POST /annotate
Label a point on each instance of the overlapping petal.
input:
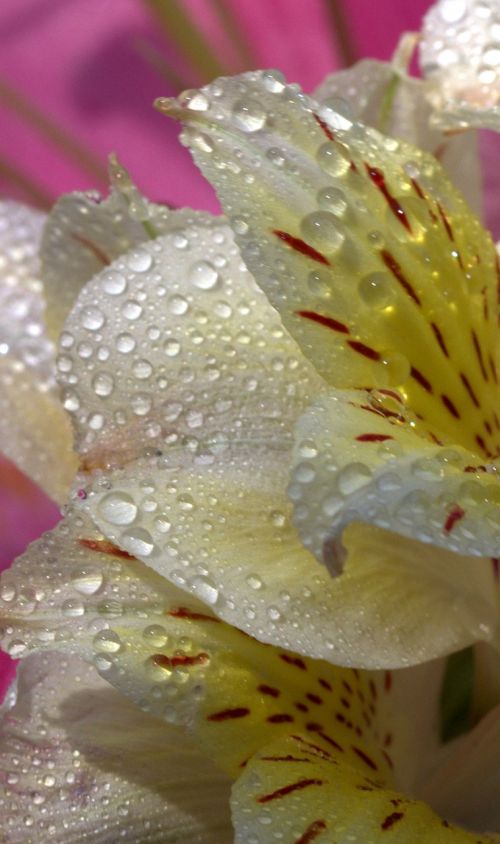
(383, 95)
(34, 429)
(368, 464)
(85, 233)
(79, 762)
(377, 266)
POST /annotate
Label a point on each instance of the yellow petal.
(377, 266)
(309, 793)
(221, 530)
(372, 463)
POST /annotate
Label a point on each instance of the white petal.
(85, 233)
(175, 346)
(81, 763)
(461, 58)
(34, 430)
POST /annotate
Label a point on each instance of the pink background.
(81, 64)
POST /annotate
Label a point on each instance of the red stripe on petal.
(301, 246)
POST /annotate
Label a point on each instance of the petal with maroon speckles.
(399, 260)
(438, 493)
(330, 799)
(382, 95)
(231, 517)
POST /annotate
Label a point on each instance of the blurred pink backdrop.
(91, 67)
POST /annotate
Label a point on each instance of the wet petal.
(34, 430)
(382, 95)
(370, 465)
(79, 762)
(378, 268)
(311, 793)
(221, 530)
(461, 58)
(175, 346)
(85, 233)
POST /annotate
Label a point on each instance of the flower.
(267, 485)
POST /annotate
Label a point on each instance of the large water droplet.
(249, 115)
(118, 508)
(203, 275)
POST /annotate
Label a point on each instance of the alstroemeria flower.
(316, 753)
(388, 283)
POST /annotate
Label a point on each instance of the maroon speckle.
(97, 252)
(294, 660)
(439, 337)
(365, 758)
(184, 612)
(229, 714)
(280, 718)
(465, 381)
(173, 661)
(378, 180)
(268, 690)
(421, 379)
(373, 438)
(314, 698)
(301, 707)
(324, 127)
(82, 494)
(312, 832)
(325, 684)
(391, 820)
(364, 350)
(450, 407)
(301, 246)
(479, 355)
(453, 517)
(105, 547)
(288, 789)
(387, 681)
(446, 222)
(392, 265)
(327, 322)
(418, 190)
(495, 561)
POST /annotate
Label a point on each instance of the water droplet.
(92, 319)
(113, 282)
(118, 508)
(332, 159)
(73, 608)
(193, 100)
(107, 641)
(138, 542)
(249, 115)
(125, 343)
(376, 290)
(103, 384)
(206, 589)
(87, 581)
(321, 229)
(352, 477)
(332, 199)
(139, 261)
(203, 275)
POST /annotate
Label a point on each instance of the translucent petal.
(68, 585)
(382, 95)
(461, 57)
(34, 430)
(220, 529)
(378, 268)
(465, 782)
(310, 793)
(80, 763)
(85, 233)
(175, 346)
(370, 465)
